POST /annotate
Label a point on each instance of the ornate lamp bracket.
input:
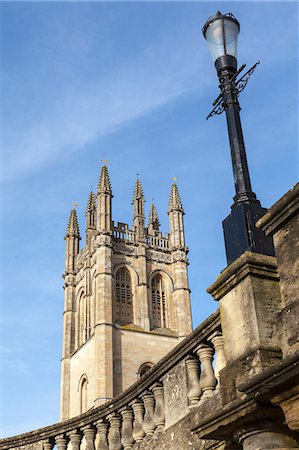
(239, 85)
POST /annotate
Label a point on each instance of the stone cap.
(281, 212)
(254, 264)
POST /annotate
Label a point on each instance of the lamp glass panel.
(214, 37)
(231, 32)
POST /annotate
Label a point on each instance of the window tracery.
(158, 302)
(123, 311)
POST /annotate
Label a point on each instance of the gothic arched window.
(158, 302)
(83, 395)
(84, 319)
(123, 311)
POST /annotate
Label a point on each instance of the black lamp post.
(221, 32)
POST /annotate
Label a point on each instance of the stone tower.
(127, 299)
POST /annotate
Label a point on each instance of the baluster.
(114, 432)
(159, 414)
(75, 438)
(194, 390)
(48, 444)
(217, 341)
(138, 431)
(207, 379)
(89, 434)
(148, 422)
(102, 427)
(61, 442)
(127, 439)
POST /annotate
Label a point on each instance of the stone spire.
(174, 200)
(104, 197)
(153, 222)
(104, 184)
(138, 204)
(138, 191)
(91, 203)
(176, 220)
(73, 227)
(72, 237)
(90, 217)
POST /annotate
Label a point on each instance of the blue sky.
(131, 82)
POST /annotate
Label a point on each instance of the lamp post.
(240, 234)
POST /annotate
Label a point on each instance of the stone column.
(264, 436)
(217, 341)
(159, 414)
(114, 432)
(127, 439)
(138, 431)
(103, 321)
(102, 427)
(148, 422)
(194, 390)
(181, 293)
(48, 445)
(207, 380)
(89, 434)
(75, 439)
(141, 305)
(61, 442)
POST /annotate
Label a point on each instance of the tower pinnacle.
(91, 203)
(104, 196)
(138, 191)
(138, 203)
(175, 203)
(153, 222)
(104, 181)
(73, 227)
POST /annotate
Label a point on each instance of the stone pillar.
(159, 414)
(138, 431)
(141, 305)
(194, 390)
(89, 434)
(181, 293)
(217, 341)
(207, 380)
(127, 439)
(148, 421)
(103, 321)
(102, 427)
(48, 444)
(249, 296)
(75, 439)
(264, 436)
(114, 432)
(282, 222)
(61, 442)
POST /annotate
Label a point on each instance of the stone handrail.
(144, 409)
(122, 232)
(159, 242)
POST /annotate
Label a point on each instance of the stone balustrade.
(158, 242)
(146, 409)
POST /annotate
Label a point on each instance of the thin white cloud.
(87, 112)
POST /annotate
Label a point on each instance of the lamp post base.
(241, 234)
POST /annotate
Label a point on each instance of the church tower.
(127, 299)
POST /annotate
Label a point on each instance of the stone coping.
(155, 374)
(281, 212)
(273, 379)
(249, 263)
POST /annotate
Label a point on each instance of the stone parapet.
(140, 414)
